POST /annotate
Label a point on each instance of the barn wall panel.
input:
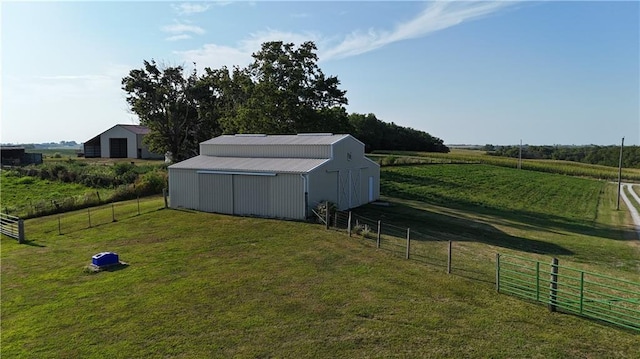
(215, 193)
(287, 196)
(251, 195)
(183, 188)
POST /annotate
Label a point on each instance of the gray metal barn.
(120, 141)
(277, 176)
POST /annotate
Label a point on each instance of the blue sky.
(468, 72)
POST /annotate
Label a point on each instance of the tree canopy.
(283, 91)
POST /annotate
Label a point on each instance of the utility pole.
(520, 156)
(619, 174)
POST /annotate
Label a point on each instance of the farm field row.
(549, 166)
(207, 285)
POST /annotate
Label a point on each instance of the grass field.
(206, 285)
(549, 166)
(19, 194)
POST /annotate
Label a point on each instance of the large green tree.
(288, 93)
(177, 108)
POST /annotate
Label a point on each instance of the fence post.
(113, 212)
(349, 224)
(553, 285)
(89, 213)
(336, 220)
(498, 272)
(581, 291)
(537, 281)
(449, 259)
(326, 214)
(408, 243)
(138, 199)
(59, 226)
(164, 194)
(378, 240)
(20, 231)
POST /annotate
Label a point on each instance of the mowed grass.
(512, 210)
(207, 285)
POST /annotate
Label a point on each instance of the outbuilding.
(120, 141)
(275, 176)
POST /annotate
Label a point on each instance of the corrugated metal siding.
(274, 151)
(287, 196)
(250, 164)
(252, 195)
(183, 189)
(216, 193)
(322, 187)
(300, 139)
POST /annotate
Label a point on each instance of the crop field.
(208, 285)
(480, 157)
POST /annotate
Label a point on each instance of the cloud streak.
(436, 16)
(187, 8)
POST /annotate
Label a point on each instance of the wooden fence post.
(408, 243)
(449, 259)
(138, 200)
(113, 212)
(20, 231)
(498, 272)
(326, 214)
(378, 240)
(553, 285)
(164, 194)
(89, 214)
(349, 224)
(59, 226)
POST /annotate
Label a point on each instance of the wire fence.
(70, 222)
(402, 242)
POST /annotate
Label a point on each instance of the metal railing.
(592, 295)
(12, 226)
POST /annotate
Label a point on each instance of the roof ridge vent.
(250, 135)
(316, 134)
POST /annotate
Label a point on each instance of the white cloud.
(438, 15)
(216, 56)
(178, 37)
(180, 28)
(187, 8)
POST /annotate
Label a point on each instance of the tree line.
(283, 91)
(597, 155)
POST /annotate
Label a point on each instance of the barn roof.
(245, 164)
(257, 139)
(137, 129)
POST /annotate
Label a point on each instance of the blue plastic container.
(105, 259)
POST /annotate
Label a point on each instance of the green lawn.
(207, 285)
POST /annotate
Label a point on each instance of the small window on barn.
(348, 156)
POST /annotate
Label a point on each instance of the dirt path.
(634, 211)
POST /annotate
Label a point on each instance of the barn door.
(118, 147)
(343, 190)
(354, 200)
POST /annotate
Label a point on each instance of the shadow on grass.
(428, 225)
(32, 243)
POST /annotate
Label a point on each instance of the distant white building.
(120, 141)
(280, 176)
